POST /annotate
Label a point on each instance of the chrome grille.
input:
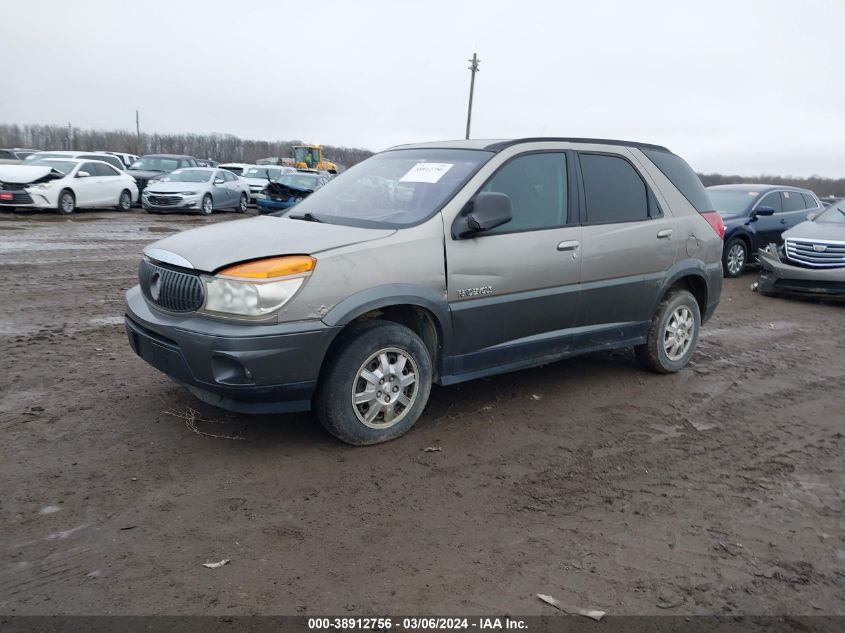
(816, 253)
(171, 289)
(164, 201)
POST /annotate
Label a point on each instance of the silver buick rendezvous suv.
(434, 263)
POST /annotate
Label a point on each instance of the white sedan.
(65, 185)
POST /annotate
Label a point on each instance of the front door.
(513, 290)
(767, 228)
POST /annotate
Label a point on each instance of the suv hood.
(822, 231)
(23, 174)
(212, 247)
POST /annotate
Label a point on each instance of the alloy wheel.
(385, 388)
(679, 333)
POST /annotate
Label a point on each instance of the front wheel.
(207, 207)
(673, 334)
(124, 203)
(734, 257)
(243, 203)
(67, 202)
(376, 385)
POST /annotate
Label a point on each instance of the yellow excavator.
(311, 157)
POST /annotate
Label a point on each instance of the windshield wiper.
(308, 217)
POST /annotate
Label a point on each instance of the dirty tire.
(207, 207)
(653, 355)
(341, 377)
(734, 257)
(243, 203)
(124, 203)
(67, 202)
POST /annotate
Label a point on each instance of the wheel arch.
(420, 309)
(692, 276)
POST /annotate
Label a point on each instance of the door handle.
(783, 221)
(569, 245)
(663, 234)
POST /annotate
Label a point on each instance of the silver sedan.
(197, 189)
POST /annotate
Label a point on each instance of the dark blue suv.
(755, 216)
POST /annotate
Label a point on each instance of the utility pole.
(138, 132)
(474, 68)
(69, 136)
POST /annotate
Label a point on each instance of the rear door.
(112, 183)
(630, 239)
(513, 290)
(794, 212)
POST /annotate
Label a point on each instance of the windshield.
(33, 157)
(155, 163)
(63, 166)
(188, 175)
(732, 201)
(308, 155)
(395, 189)
(300, 181)
(834, 214)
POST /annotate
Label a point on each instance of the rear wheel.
(734, 257)
(376, 385)
(67, 202)
(207, 207)
(124, 203)
(243, 203)
(673, 334)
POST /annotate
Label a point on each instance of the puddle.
(109, 320)
(163, 229)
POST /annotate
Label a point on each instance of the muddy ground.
(716, 490)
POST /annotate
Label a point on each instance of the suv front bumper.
(236, 366)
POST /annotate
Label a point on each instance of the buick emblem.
(155, 286)
(819, 248)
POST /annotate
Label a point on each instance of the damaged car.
(257, 177)
(286, 191)
(65, 185)
(811, 260)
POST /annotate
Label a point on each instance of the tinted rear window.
(682, 176)
(613, 190)
(809, 201)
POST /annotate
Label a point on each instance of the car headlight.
(257, 288)
(41, 185)
(187, 193)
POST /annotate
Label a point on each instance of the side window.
(89, 168)
(537, 187)
(792, 201)
(809, 201)
(105, 170)
(614, 190)
(772, 200)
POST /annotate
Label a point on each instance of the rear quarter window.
(682, 176)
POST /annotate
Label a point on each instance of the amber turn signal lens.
(271, 267)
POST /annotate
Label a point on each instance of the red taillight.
(715, 220)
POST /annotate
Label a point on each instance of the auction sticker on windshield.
(426, 172)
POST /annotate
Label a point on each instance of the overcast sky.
(740, 86)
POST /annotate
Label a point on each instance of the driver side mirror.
(82, 174)
(218, 181)
(485, 211)
(812, 215)
(761, 211)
